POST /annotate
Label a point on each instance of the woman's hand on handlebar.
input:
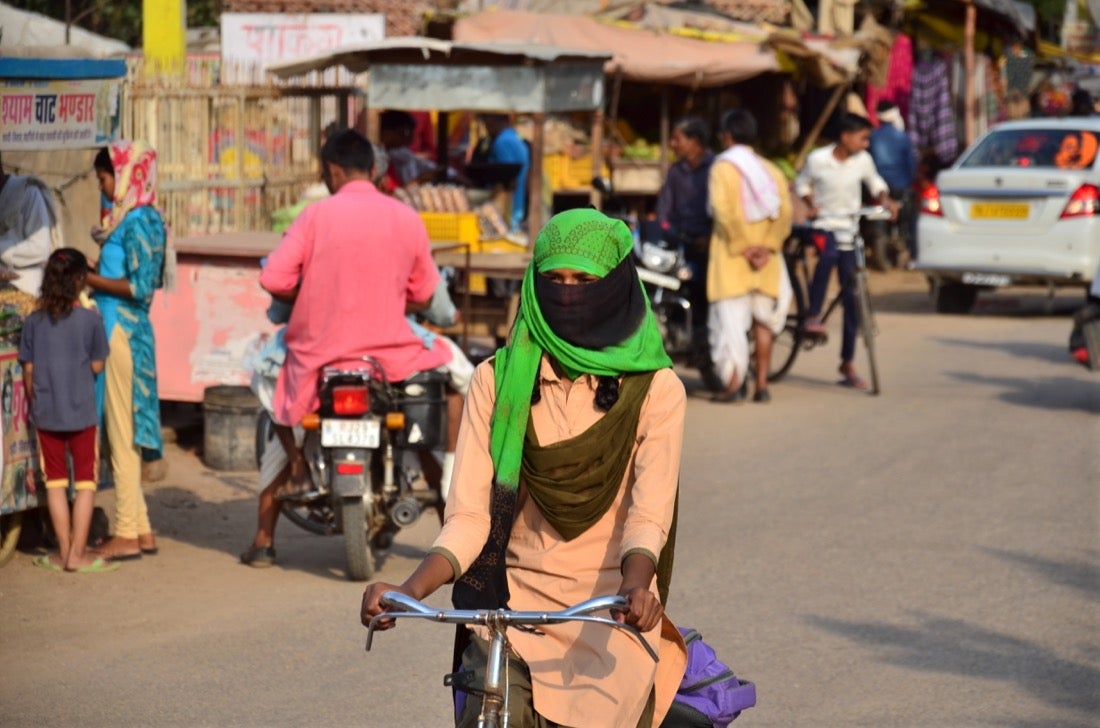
(434, 571)
(643, 609)
(372, 605)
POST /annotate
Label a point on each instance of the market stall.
(54, 110)
(669, 61)
(423, 73)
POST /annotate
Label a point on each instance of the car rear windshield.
(1047, 148)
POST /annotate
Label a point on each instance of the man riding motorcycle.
(352, 265)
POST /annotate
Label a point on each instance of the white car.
(1019, 207)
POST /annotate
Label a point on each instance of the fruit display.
(640, 149)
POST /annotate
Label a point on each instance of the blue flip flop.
(43, 562)
(99, 566)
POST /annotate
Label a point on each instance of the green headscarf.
(584, 240)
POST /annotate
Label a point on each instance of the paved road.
(929, 557)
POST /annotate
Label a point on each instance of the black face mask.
(594, 315)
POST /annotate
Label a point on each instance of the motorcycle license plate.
(351, 433)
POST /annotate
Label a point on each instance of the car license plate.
(351, 433)
(1000, 211)
(986, 279)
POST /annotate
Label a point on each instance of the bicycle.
(888, 240)
(794, 338)
(494, 705)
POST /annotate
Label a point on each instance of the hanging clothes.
(982, 90)
(931, 113)
(836, 17)
(899, 79)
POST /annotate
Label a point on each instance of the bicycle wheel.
(788, 342)
(867, 327)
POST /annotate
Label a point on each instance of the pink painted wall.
(209, 325)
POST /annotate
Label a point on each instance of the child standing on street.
(62, 348)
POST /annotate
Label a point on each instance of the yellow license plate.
(999, 211)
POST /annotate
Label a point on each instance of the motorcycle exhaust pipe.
(405, 511)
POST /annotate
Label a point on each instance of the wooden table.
(486, 315)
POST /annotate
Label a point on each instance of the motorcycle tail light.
(1084, 202)
(350, 400)
(349, 468)
(930, 201)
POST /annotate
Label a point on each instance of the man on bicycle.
(831, 184)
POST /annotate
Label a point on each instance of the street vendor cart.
(49, 106)
(424, 73)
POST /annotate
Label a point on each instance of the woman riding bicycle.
(565, 487)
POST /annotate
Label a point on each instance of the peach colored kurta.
(577, 672)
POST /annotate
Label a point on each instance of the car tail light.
(1084, 202)
(930, 201)
(350, 400)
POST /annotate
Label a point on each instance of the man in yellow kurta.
(565, 487)
(747, 281)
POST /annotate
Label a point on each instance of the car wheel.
(954, 298)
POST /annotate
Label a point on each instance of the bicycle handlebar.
(873, 212)
(398, 605)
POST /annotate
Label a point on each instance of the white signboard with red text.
(252, 41)
(58, 114)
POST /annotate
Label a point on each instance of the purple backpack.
(709, 685)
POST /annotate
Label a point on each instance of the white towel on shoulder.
(759, 193)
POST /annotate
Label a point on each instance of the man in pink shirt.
(353, 265)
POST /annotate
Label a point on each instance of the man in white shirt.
(831, 184)
(27, 226)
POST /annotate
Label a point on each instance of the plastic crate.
(567, 173)
(452, 227)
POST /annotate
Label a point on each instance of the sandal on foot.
(854, 381)
(43, 562)
(736, 395)
(151, 550)
(259, 556)
(296, 487)
(119, 557)
(813, 328)
(119, 549)
(99, 566)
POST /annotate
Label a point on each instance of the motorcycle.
(663, 268)
(669, 280)
(358, 447)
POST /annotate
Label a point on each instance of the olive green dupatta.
(574, 482)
